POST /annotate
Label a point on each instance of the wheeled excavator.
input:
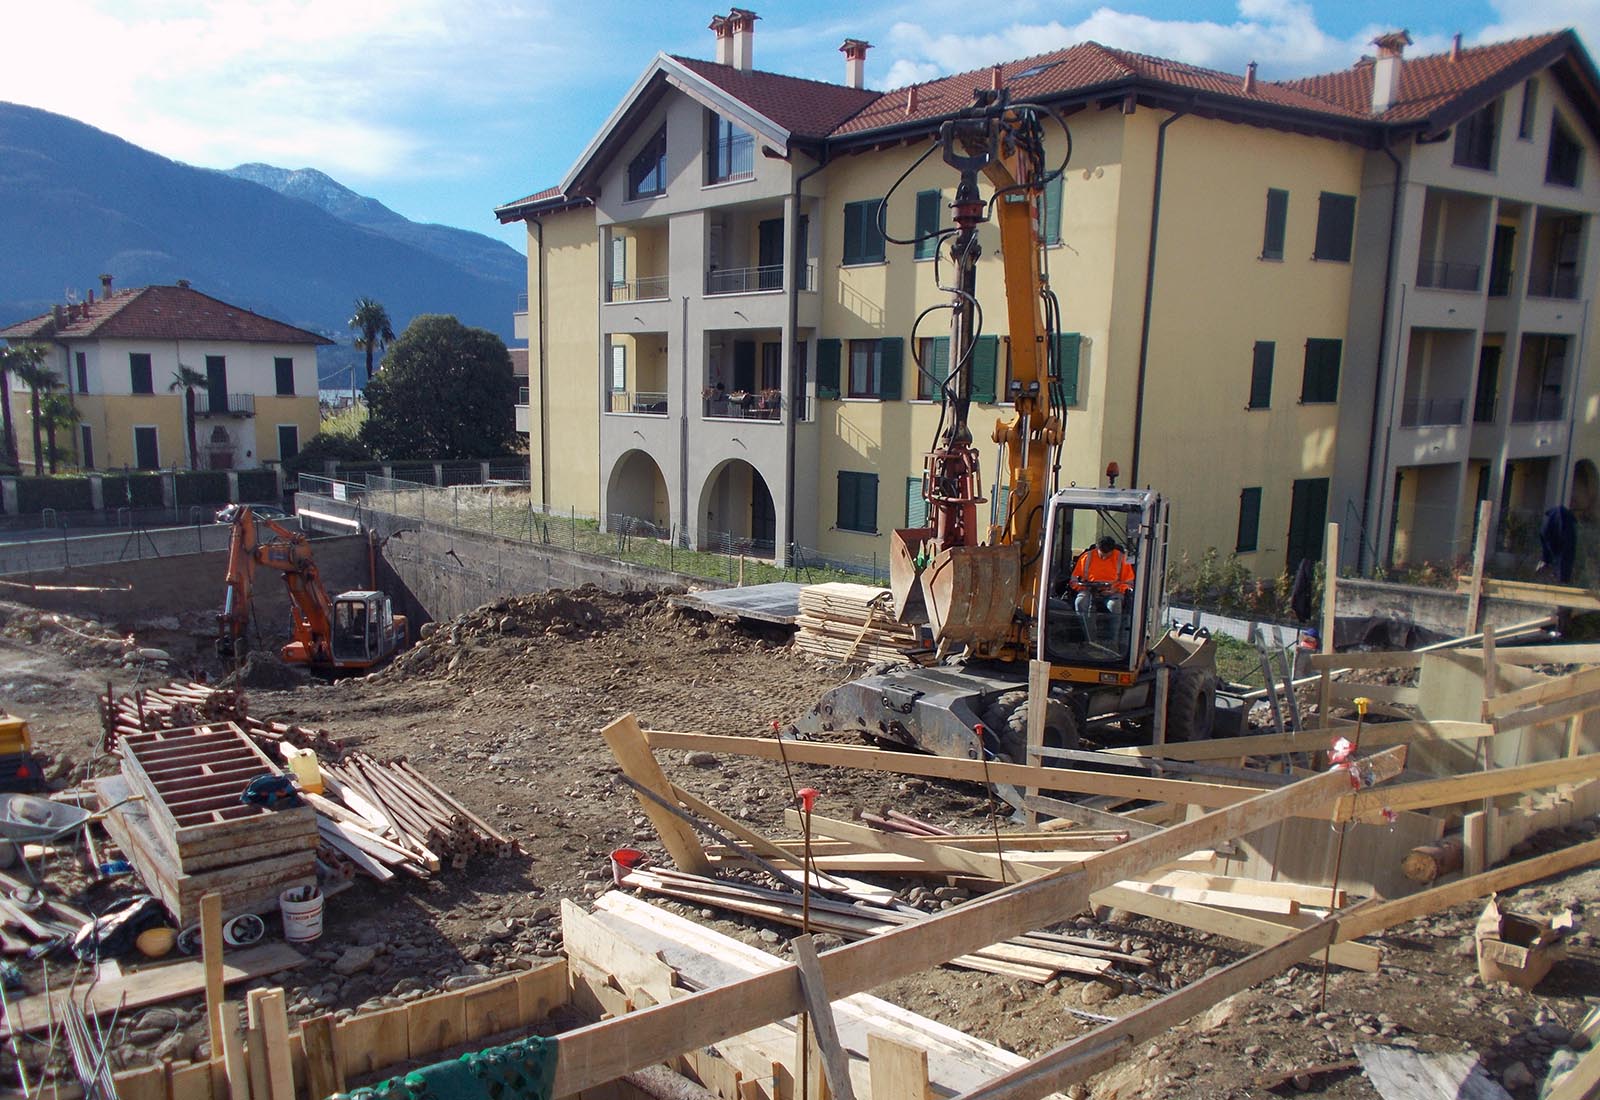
(351, 632)
(1017, 590)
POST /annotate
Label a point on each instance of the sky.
(444, 109)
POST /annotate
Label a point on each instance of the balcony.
(755, 280)
(233, 404)
(1446, 275)
(519, 318)
(1541, 407)
(1557, 283)
(740, 405)
(638, 402)
(522, 395)
(1420, 412)
(730, 158)
(647, 288)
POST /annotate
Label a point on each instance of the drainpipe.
(786, 402)
(544, 374)
(1149, 295)
(683, 426)
(1362, 564)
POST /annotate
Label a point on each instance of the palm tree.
(188, 380)
(371, 322)
(28, 364)
(7, 357)
(59, 413)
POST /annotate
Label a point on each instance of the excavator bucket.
(971, 592)
(906, 547)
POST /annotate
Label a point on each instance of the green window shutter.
(1320, 383)
(1277, 219)
(1261, 375)
(891, 352)
(1069, 349)
(873, 245)
(985, 357)
(863, 244)
(852, 232)
(868, 506)
(846, 519)
(916, 504)
(828, 353)
(858, 501)
(928, 204)
(1050, 212)
(1249, 520)
(1336, 223)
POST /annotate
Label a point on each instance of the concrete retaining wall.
(1433, 609)
(121, 546)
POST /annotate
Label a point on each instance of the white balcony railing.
(641, 402)
(649, 288)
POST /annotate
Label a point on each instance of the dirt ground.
(503, 708)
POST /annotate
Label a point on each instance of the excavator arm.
(288, 552)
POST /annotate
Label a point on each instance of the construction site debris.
(1519, 948)
(853, 623)
(266, 671)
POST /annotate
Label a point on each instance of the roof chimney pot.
(995, 78)
(105, 286)
(743, 23)
(1455, 47)
(1387, 69)
(855, 61)
(911, 101)
(1250, 78)
(724, 32)
(183, 284)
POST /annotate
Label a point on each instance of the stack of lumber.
(189, 834)
(177, 705)
(852, 622)
(390, 817)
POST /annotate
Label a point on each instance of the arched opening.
(638, 492)
(737, 511)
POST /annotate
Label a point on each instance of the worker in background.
(1102, 578)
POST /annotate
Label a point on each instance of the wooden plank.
(1317, 896)
(434, 1023)
(814, 988)
(1582, 1083)
(627, 743)
(1550, 595)
(1557, 688)
(585, 939)
(899, 1070)
(983, 864)
(1577, 653)
(1088, 815)
(1480, 555)
(1393, 694)
(491, 1008)
(211, 960)
(541, 991)
(1330, 613)
(1474, 843)
(1038, 713)
(236, 1068)
(1398, 1072)
(1369, 805)
(1373, 735)
(147, 1083)
(1218, 899)
(256, 1058)
(189, 1082)
(373, 1041)
(1235, 926)
(592, 1055)
(268, 1013)
(323, 1072)
(1553, 711)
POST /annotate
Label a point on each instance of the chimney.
(1250, 78)
(744, 34)
(90, 302)
(995, 78)
(1455, 47)
(1386, 70)
(58, 315)
(855, 61)
(183, 284)
(724, 31)
(105, 286)
(911, 100)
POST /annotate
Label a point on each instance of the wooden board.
(1398, 1073)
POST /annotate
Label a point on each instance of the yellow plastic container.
(14, 736)
(303, 766)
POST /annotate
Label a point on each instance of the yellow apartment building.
(117, 357)
(1358, 297)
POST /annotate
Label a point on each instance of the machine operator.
(1102, 578)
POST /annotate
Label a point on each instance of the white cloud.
(1525, 17)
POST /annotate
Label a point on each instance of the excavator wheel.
(1191, 705)
(1008, 718)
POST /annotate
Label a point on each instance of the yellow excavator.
(1070, 576)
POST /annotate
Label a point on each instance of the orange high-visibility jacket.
(1096, 568)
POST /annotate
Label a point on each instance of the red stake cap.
(807, 797)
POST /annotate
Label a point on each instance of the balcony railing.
(744, 406)
(234, 404)
(642, 402)
(649, 288)
(1553, 284)
(750, 280)
(1546, 406)
(522, 304)
(1418, 412)
(1447, 275)
(731, 159)
(522, 395)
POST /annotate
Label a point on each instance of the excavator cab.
(365, 629)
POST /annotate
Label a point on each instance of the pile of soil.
(263, 670)
(85, 641)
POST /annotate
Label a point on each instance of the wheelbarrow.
(25, 819)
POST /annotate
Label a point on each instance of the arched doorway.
(638, 492)
(737, 511)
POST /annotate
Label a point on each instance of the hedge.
(201, 487)
(132, 491)
(64, 494)
(258, 486)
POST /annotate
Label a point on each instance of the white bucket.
(302, 920)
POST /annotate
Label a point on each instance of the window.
(619, 260)
(1277, 220)
(828, 356)
(288, 441)
(619, 368)
(1320, 384)
(863, 242)
(1069, 352)
(1475, 139)
(981, 367)
(858, 502)
(875, 368)
(647, 172)
(1530, 107)
(1249, 520)
(81, 359)
(1486, 398)
(146, 448)
(1336, 225)
(283, 367)
(929, 207)
(1050, 212)
(1261, 375)
(730, 151)
(87, 447)
(916, 503)
(139, 368)
(934, 352)
(1308, 521)
(1562, 164)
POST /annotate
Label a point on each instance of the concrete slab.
(778, 602)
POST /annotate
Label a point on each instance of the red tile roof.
(806, 108)
(161, 313)
(1427, 84)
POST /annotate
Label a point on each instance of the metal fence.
(67, 551)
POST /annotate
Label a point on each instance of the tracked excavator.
(351, 632)
(1073, 577)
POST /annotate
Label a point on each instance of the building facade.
(117, 360)
(1276, 297)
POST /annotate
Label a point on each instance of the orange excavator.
(351, 632)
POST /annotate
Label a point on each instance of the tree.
(324, 447)
(7, 358)
(371, 322)
(446, 392)
(59, 414)
(28, 364)
(188, 380)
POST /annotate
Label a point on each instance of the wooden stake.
(268, 1016)
(235, 1065)
(324, 1075)
(1480, 554)
(1038, 711)
(899, 1071)
(1330, 608)
(628, 745)
(211, 956)
(835, 1064)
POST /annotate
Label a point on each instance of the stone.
(1516, 1076)
(143, 1036)
(163, 1019)
(1097, 993)
(355, 959)
(769, 936)
(464, 981)
(702, 760)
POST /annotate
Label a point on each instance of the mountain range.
(291, 244)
